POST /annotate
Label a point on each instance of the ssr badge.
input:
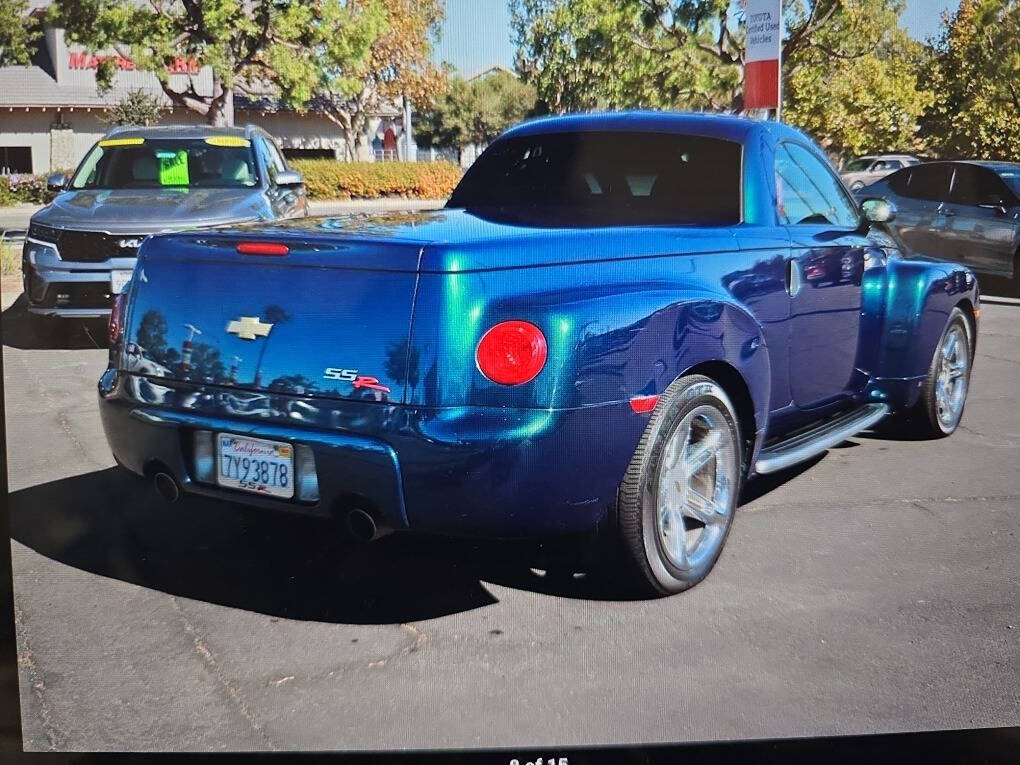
(359, 382)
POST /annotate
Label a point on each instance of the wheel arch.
(970, 314)
(739, 393)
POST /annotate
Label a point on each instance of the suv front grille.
(86, 246)
(93, 246)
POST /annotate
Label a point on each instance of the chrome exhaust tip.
(166, 486)
(363, 526)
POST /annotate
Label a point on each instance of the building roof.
(489, 70)
(178, 131)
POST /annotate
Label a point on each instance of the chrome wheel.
(952, 377)
(696, 484)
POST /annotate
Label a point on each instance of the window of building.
(15, 159)
(309, 154)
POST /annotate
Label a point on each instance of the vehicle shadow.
(25, 331)
(997, 286)
(112, 523)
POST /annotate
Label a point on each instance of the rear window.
(606, 179)
(145, 163)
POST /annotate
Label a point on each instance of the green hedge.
(324, 179)
(330, 179)
(22, 187)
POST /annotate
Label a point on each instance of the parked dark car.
(966, 212)
(615, 321)
(80, 249)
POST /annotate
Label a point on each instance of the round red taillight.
(511, 353)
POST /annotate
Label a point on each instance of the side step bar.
(818, 439)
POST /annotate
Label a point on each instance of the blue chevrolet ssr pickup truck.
(613, 323)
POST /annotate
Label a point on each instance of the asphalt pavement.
(873, 589)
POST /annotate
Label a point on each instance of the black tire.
(642, 547)
(925, 413)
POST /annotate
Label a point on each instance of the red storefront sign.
(179, 65)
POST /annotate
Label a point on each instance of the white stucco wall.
(32, 129)
(293, 131)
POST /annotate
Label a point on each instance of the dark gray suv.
(967, 212)
(80, 249)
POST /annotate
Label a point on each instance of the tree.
(138, 107)
(975, 69)
(260, 47)
(868, 97)
(275, 315)
(449, 121)
(475, 112)
(501, 101)
(18, 33)
(689, 54)
(398, 65)
(152, 333)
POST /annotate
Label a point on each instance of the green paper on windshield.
(173, 168)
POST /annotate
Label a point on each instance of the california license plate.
(255, 465)
(118, 280)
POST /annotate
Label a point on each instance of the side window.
(930, 181)
(275, 163)
(899, 182)
(808, 191)
(893, 164)
(964, 189)
(973, 185)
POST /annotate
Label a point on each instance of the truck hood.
(144, 211)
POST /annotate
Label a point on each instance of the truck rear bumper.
(465, 472)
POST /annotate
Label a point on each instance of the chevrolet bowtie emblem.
(247, 327)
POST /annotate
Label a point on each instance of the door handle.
(793, 277)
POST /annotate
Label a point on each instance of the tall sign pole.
(763, 88)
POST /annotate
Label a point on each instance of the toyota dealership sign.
(763, 54)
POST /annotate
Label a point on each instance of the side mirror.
(878, 210)
(289, 178)
(56, 181)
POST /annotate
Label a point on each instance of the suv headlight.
(35, 250)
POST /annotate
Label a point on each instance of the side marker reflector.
(643, 404)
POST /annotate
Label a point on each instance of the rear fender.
(607, 341)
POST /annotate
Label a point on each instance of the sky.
(476, 33)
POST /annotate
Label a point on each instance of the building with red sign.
(51, 112)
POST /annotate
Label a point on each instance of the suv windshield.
(857, 165)
(146, 163)
(605, 179)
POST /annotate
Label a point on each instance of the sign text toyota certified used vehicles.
(80, 249)
(616, 320)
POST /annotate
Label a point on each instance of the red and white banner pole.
(187, 346)
(763, 82)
